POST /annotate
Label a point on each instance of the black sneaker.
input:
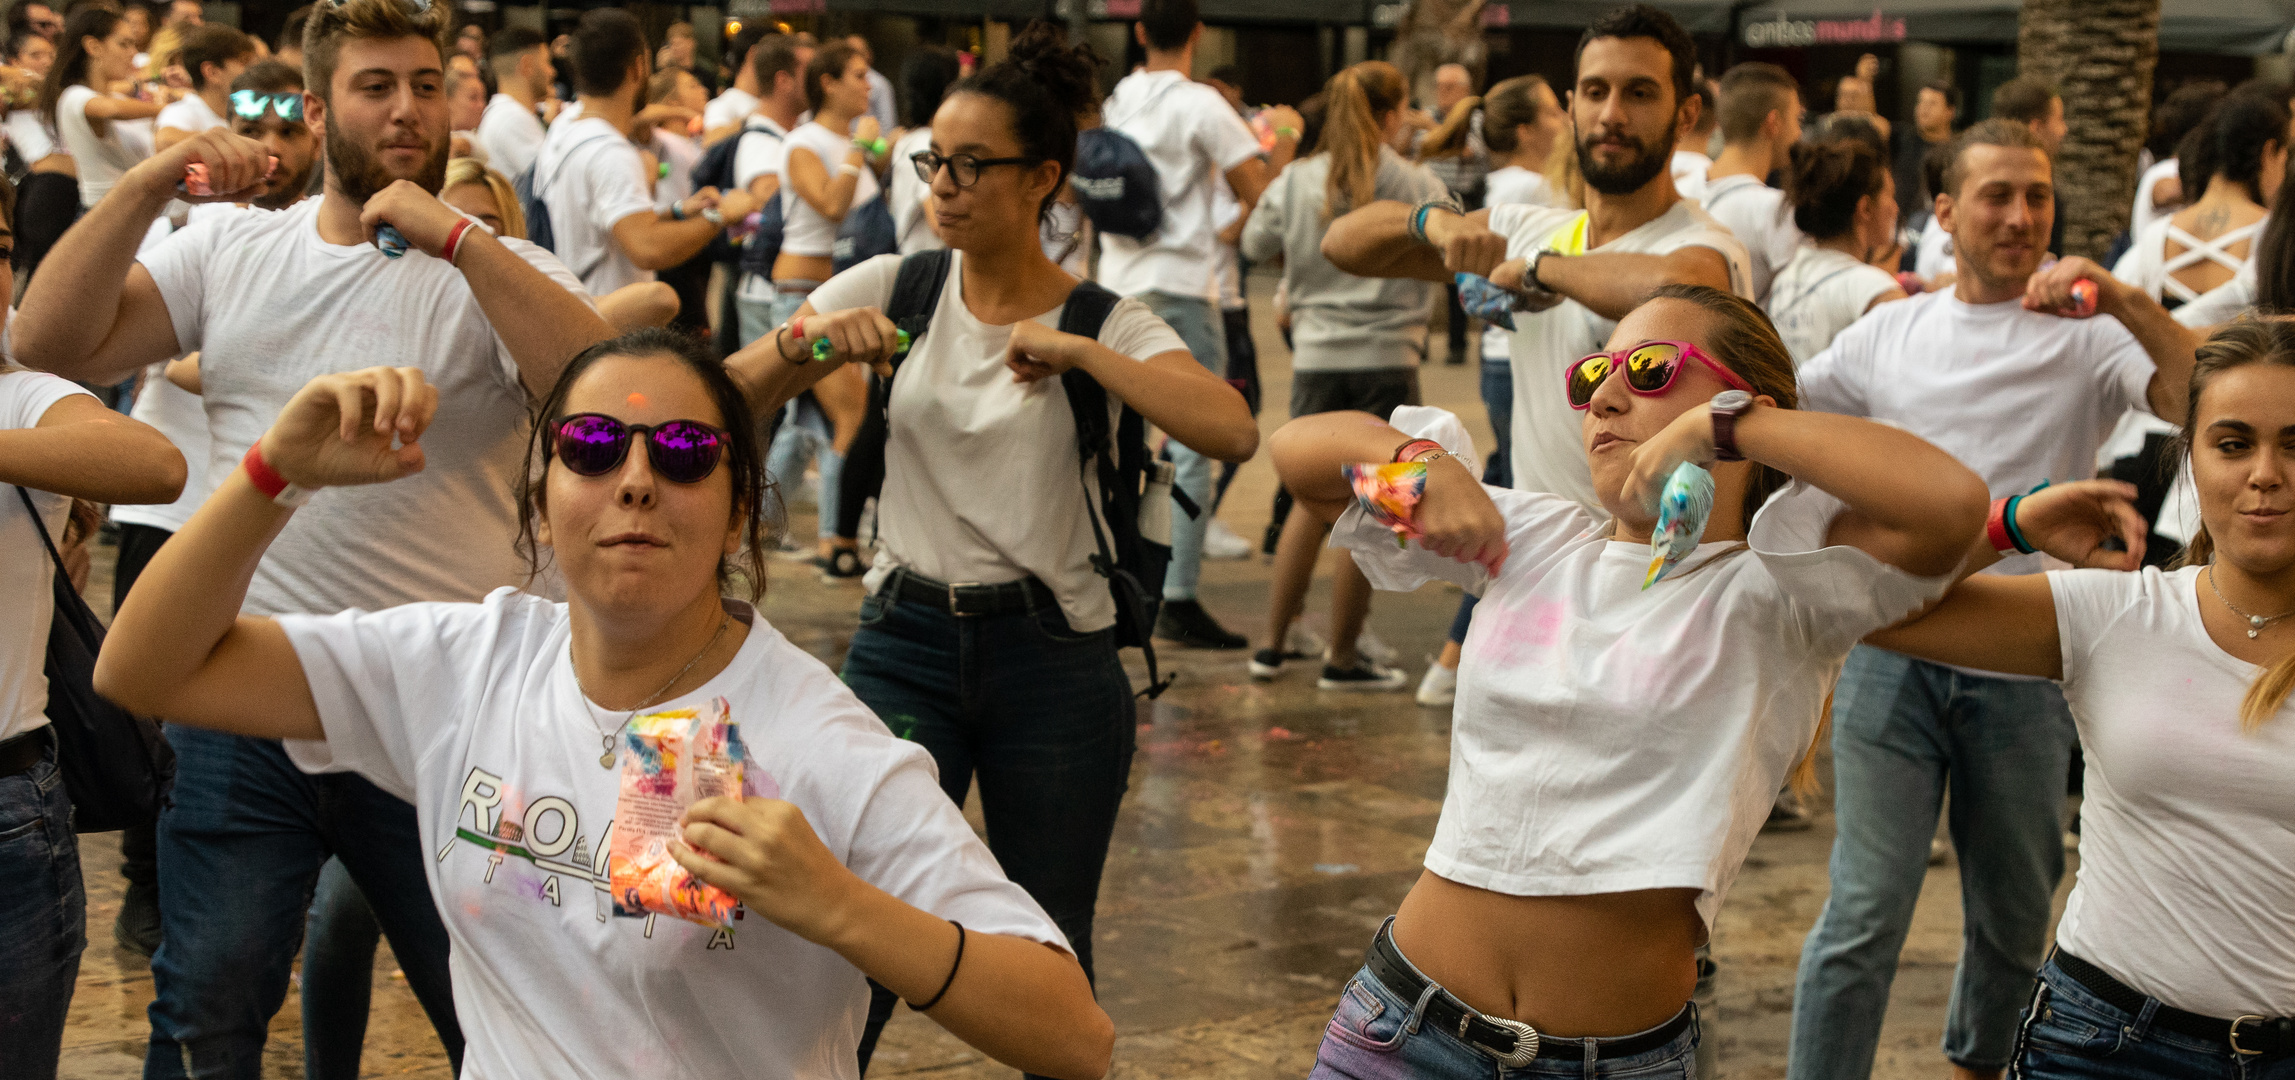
(1788, 814)
(1365, 675)
(842, 564)
(137, 928)
(1266, 665)
(1186, 622)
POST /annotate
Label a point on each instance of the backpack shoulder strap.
(1088, 307)
(54, 556)
(915, 293)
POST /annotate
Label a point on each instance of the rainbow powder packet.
(671, 760)
(1682, 510)
(1389, 493)
(195, 178)
(822, 350)
(1486, 300)
(392, 242)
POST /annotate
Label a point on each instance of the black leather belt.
(19, 754)
(1512, 1042)
(2248, 1036)
(970, 598)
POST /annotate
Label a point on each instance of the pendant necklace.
(2255, 623)
(606, 738)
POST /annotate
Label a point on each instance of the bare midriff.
(1571, 966)
(789, 267)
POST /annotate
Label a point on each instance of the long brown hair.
(1507, 107)
(1361, 97)
(1450, 138)
(2248, 342)
(70, 68)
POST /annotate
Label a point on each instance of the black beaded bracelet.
(951, 980)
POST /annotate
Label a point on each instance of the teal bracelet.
(2008, 518)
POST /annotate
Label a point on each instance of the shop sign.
(1784, 33)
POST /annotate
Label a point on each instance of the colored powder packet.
(195, 178)
(1486, 300)
(392, 242)
(671, 760)
(1683, 508)
(1389, 493)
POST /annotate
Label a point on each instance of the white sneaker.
(1369, 647)
(1221, 543)
(1439, 688)
(1304, 644)
(1365, 675)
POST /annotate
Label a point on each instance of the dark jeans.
(338, 977)
(239, 853)
(1041, 714)
(863, 477)
(2071, 1034)
(139, 845)
(1243, 374)
(43, 918)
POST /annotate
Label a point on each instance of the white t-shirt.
(1688, 163)
(755, 157)
(190, 115)
(2223, 303)
(1608, 738)
(27, 577)
(727, 108)
(1548, 454)
(100, 160)
(906, 195)
(591, 176)
(982, 478)
(1512, 184)
(1818, 294)
(270, 306)
(30, 135)
(1933, 254)
(1189, 133)
(680, 154)
(2018, 396)
(1225, 210)
(471, 712)
(178, 414)
(2147, 265)
(1756, 214)
(2187, 855)
(804, 230)
(511, 134)
(2144, 212)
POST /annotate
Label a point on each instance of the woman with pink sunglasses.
(1617, 746)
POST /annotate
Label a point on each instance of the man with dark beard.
(272, 299)
(1578, 270)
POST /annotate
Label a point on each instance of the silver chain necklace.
(606, 738)
(2255, 623)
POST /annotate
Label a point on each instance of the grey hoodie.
(1340, 322)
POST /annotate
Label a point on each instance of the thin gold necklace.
(606, 738)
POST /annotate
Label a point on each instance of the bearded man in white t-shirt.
(2023, 397)
(1632, 99)
(272, 299)
(1760, 121)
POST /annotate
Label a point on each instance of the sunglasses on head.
(1650, 368)
(682, 451)
(252, 104)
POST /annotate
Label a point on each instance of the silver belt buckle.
(1525, 1039)
(953, 607)
(2235, 1047)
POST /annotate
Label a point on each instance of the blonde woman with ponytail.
(1356, 342)
(2176, 953)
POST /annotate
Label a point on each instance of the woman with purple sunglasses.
(1615, 745)
(498, 720)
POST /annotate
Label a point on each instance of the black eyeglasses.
(252, 104)
(683, 451)
(963, 168)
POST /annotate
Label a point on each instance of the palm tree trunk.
(2100, 55)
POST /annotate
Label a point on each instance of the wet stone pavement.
(1267, 831)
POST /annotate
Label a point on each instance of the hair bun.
(1069, 72)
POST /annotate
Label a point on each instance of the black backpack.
(1130, 477)
(528, 188)
(715, 169)
(1116, 185)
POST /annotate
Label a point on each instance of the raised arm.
(86, 451)
(104, 107)
(1170, 389)
(833, 195)
(655, 242)
(1375, 241)
(1455, 516)
(1614, 283)
(542, 322)
(179, 647)
(95, 315)
(2173, 347)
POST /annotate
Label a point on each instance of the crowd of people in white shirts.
(444, 453)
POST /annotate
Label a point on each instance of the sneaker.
(1304, 644)
(1440, 686)
(1220, 543)
(1369, 647)
(1788, 814)
(842, 564)
(794, 550)
(1266, 664)
(1365, 675)
(137, 928)
(1186, 622)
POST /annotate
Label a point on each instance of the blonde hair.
(1354, 128)
(2266, 339)
(166, 42)
(464, 170)
(363, 20)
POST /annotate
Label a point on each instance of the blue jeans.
(43, 917)
(804, 432)
(1199, 324)
(1376, 1035)
(1041, 714)
(1905, 732)
(240, 848)
(338, 978)
(2070, 1034)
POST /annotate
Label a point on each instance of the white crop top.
(1609, 739)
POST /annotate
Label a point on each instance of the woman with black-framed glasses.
(499, 719)
(988, 638)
